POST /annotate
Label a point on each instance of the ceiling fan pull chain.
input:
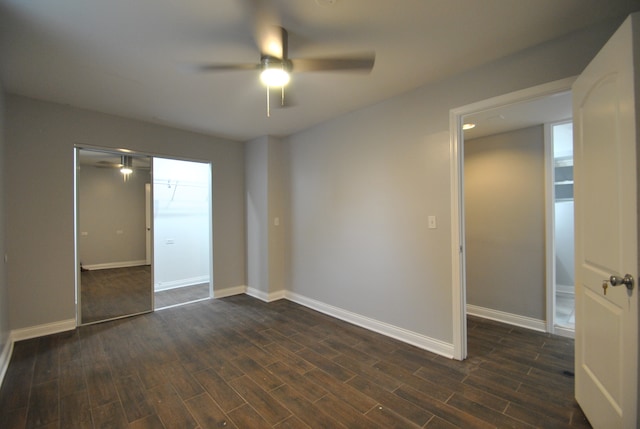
(268, 107)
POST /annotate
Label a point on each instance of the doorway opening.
(561, 313)
(182, 232)
(143, 233)
(458, 117)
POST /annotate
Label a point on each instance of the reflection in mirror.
(113, 246)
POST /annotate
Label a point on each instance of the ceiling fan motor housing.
(269, 62)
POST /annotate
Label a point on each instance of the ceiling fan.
(275, 65)
(126, 164)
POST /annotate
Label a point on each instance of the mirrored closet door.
(113, 234)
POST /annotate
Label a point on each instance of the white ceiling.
(110, 159)
(137, 58)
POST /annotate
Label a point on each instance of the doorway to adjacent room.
(182, 232)
(544, 318)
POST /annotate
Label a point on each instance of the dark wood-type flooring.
(181, 295)
(116, 292)
(240, 363)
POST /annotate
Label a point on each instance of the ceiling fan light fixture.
(127, 165)
(275, 76)
(275, 72)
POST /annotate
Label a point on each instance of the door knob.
(627, 280)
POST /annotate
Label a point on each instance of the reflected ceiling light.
(468, 126)
(127, 165)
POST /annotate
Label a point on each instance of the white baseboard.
(508, 318)
(5, 357)
(231, 291)
(266, 297)
(401, 334)
(110, 265)
(42, 330)
(422, 341)
(564, 332)
(256, 293)
(174, 284)
(566, 290)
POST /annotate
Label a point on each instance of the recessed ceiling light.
(468, 126)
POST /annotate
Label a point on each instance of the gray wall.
(265, 181)
(4, 287)
(257, 182)
(504, 222)
(277, 210)
(40, 235)
(107, 204)
(359, 189)
(362, 186)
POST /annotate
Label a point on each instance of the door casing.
(456, 117)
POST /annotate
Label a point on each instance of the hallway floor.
(565, 311)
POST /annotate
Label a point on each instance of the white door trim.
(550, 221)
(456, 117)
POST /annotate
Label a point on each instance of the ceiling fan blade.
(223, 67)
(107, 164)
(359, 63)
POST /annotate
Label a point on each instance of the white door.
(606, 233)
